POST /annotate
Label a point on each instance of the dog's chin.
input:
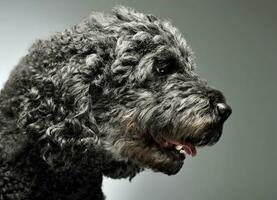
(173, 164)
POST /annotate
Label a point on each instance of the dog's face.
(159, 109)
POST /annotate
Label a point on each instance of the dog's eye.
(166, 69)
(169, 67)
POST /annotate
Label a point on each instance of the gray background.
(236, 48)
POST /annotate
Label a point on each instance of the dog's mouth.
(179, 149)
(183, 148)
(166, 152)
(176, 149)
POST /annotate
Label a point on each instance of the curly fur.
(97, 99)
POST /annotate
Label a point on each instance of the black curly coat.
(105, 97)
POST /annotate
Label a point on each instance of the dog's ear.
(65, 142)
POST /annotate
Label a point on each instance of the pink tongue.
(190, 149)
(187, 147)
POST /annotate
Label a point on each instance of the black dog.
(110, 96)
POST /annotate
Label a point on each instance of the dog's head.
(126, 91)
(154, 108)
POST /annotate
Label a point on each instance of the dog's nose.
(224, 111)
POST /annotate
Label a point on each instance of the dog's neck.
(38, 181)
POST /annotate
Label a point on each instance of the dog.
(110, 96)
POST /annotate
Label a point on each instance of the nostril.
(224, 110)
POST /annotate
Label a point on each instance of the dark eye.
(167, 68)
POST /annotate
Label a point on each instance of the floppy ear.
(63, 142)
(67, 144)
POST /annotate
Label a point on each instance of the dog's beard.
(163, 147)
